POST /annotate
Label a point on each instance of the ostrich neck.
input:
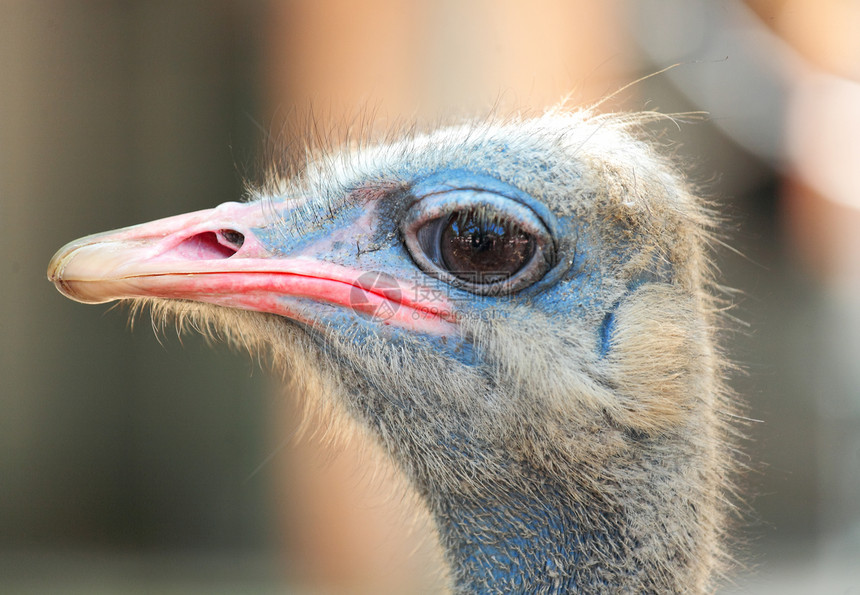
(642, 521)
(520, 544)
(542, 540)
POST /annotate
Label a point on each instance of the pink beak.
(215, 256)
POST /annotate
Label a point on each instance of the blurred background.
(136, 464)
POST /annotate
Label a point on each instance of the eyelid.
(444, 204)
(464, 181)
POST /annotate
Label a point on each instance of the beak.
(219, 256)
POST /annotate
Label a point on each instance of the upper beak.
(217, 256)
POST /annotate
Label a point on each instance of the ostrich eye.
(479, 251)
(480, 241)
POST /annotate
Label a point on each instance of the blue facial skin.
(567, 287)
(570, 289)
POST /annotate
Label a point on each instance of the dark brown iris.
(483, 251)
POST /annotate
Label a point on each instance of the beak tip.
(55, 267)
(71, 288)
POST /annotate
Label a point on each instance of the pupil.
(483, 251)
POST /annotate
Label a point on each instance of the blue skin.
(551, 294)
(544, 539)
(568, 288)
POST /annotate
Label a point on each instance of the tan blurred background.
(131, 465)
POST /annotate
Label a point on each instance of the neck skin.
(546, 542)
(521, 545)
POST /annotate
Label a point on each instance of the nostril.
(208, 246)
(234, 238)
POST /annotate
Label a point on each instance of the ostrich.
(521, 312)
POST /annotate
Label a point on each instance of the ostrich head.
(520, 312)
